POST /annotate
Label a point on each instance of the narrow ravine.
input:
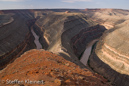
(87, 52)
(36, 41)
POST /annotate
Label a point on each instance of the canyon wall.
(116, 78)
(40, 33)
(73, 25)
(15, 38)
(85, 36)
(108, 17)
(111, 56)
(59, 31)
(5, 19)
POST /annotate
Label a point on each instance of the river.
(36, 41)
(87, 52)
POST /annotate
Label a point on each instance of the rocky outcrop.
(111, 56)
(49, 69)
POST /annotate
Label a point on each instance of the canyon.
(87, 52)
(36, 41)
(14, 40)
(111, 58)
(93, 40)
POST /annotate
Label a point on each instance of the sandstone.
(68, 80)
(58, 82)
(110, 58)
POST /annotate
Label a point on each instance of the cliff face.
(5, 19)
(15, 38)
(40, 65)
(85, 36)
(111, 56)
(57, 31)
(72, 26)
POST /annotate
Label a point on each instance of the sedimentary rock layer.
(111, 57)
(113, 49)
(59, 28)
(85, 36)
(15, 38)
(54, 29)
(109, 18)
(5, 19)
(116, 78)
(73, 25)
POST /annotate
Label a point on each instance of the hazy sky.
(76, 4)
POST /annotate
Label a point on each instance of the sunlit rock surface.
(111, 56)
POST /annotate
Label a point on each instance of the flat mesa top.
(67, 14)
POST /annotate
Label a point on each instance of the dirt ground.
(43, 68)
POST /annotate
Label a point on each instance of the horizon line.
(59, 8)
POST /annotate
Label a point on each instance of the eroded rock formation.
(15, 38)
(85, 36)
(5, 19)
(110, 58)
(58, 29)
(67, 34)
(108, 17)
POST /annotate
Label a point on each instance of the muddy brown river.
(36, 41)
(87, 52)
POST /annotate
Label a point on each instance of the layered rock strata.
(111, 56)
(85, 36)
(59, 28)
(15, 38)
(55, 29)
(5, 19)
(108, 17)
(73, 25)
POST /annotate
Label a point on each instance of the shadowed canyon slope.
(110, 58)
(59, 30)
(15, 37)
(67, 34)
